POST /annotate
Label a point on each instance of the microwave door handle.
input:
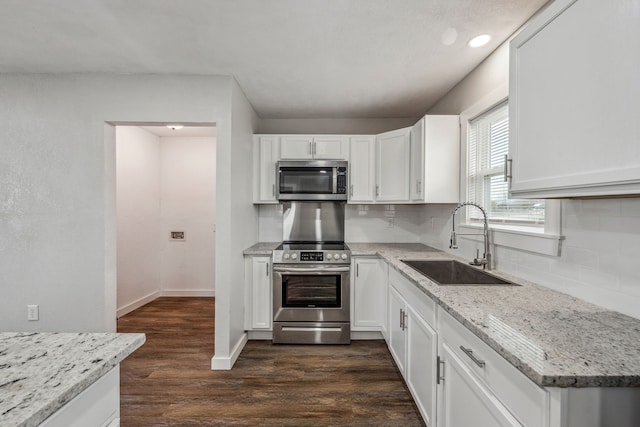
(335, 181)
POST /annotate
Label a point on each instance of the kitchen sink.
(455, 273)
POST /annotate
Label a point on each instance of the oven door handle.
(320, 269)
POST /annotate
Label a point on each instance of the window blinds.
(487, 145)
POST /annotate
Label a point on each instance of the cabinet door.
(397, 336)
(572, 116)
(331, 147)
(296, 147)
(422, 350)
(393, 151)
(383, 267)
(261, 293)
(367, 295)
(266, 151)
(441, 173)
(362, 169)
(417, 161)
(464, 401)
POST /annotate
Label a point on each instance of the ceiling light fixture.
(480, 40)
(175, 127)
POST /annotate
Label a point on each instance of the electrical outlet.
(33, 312)
(391, 222)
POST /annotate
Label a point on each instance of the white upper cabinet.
(574, 92)
(302, 147)
(266, 152)
(435, 160)
(393, 151)
(362, 169)
(296, 147)
(331, 147)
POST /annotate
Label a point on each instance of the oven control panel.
(317, 257)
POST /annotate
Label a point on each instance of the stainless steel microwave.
(312, 180)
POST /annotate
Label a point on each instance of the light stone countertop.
(41, 372)
(555, 339)
(261, 248)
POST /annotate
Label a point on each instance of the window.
(487, 147)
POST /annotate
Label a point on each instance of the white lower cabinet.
(258, 293)
(422, 348)
(397, 336)
(464, 400)
(98, 405)
(497, 385)
(368, 294)
(413, 343)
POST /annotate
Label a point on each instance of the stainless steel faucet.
(485, 261)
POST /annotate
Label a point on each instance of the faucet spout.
(485, 261)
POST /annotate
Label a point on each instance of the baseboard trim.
(137, 304)
(366, 335)
(188, 293)
(226, 363)
(260, 335)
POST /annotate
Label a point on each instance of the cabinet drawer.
(419, 302)
(526, 401)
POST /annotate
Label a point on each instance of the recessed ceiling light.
(480, 40)
(175, 127)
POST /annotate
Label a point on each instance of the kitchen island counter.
(41, 372)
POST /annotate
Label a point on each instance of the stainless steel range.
(311, 277)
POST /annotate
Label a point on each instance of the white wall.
(602, 237)
(237, 227)
(138, 212)
(57, 187)
(187, 203)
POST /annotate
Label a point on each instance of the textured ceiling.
(292, 58)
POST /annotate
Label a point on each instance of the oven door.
(310, 293)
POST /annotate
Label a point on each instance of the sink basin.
(455, 273)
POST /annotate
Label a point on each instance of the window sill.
(517, 238)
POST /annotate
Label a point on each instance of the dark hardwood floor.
(168, 381)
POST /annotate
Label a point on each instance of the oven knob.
(286, 256)
(344, 256)
(294, 256)
(329, 256)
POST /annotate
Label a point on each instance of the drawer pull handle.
(469, 353)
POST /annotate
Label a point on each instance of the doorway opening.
(166, 212)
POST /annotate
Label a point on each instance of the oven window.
(311, 291)
(307, 180)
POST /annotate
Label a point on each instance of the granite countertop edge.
(56, 401)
